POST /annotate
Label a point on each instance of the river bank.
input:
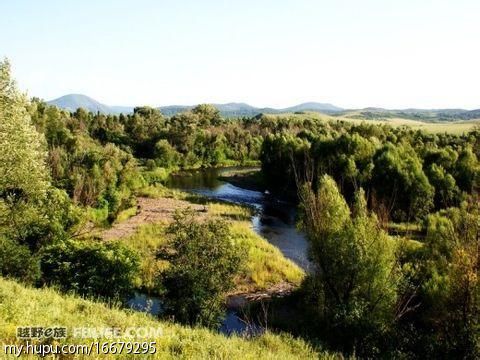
(265, 225)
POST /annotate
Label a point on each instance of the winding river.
(273, 219)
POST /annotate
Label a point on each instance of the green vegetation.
(409, 296)
(355, 285)
(200, 272)
(67, 176)
(21, 306)
(445, 271)
(83, 266)
(265, 266)
(405, 173)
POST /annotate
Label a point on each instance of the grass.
(126, 214)
(23, 306)
(452, 127)
(158, 191)
(265, 267)
(145, 242)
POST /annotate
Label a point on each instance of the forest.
(391, 215)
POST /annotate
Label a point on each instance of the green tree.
(90, 268)
(165, 154)
(448, 279)
(17, 262)
(400, 182)
(355, 268)
(31, 211)
(208, 114)
(204, 261)
(22, 163)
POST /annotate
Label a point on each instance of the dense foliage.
(356, 275)
(405, 173)
(204, 263)
(107, 270)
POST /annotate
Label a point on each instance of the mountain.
(241, 109)
(313, 106)
(72, 102)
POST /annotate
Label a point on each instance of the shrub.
(204, 262)
(16, 261)
(107, 270)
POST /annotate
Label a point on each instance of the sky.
(354, 54)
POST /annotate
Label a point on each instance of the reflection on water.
(273, 219)
(145, 303)
(232, 324)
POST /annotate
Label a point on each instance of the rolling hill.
(71, 102)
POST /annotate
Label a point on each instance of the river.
(273, 219)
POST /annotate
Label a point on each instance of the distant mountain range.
(72, 102)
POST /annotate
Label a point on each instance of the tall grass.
(265, 265)
(22, 306)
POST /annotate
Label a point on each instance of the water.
(231, 324)
(273, 219)
(145, 303)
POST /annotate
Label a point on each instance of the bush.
(204, 262)
(16, 261)
(165, 154)
(107, 270)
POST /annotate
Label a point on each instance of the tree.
(17, 262)
(89, 268)
(399, 181)
(447, 275)
(356, 271)
(468, 170)
(204, 261)
(208, 114)
(165, 154)
(27, 200)
(22, 148)
(144, 128)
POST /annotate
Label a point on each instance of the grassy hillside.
(21, 306)
(452, 127)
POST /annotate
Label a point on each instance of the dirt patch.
(150, 211)
(240, 300)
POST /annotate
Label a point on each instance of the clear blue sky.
(397, 53)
